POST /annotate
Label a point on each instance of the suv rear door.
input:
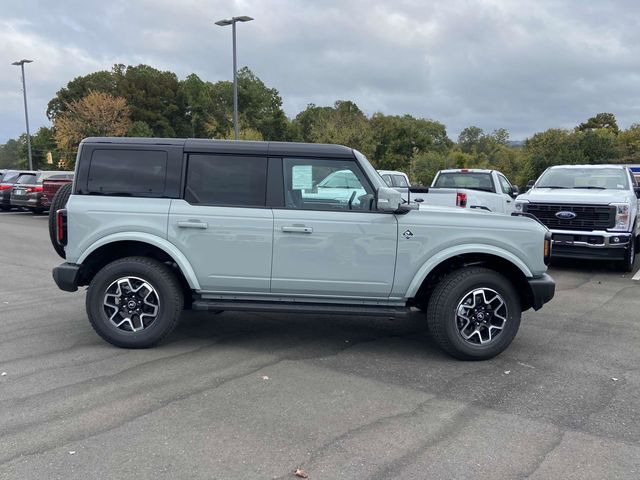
(328, 238)
(222, 225)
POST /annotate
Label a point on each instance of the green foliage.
(139, 129)
(9, 154)
(400, 140)
(344, 124)
(42, 142)
(628, 147)
(600, 121)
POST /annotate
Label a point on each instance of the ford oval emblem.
(564, 215)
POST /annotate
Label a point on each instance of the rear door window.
(128, 172)
(229, 180)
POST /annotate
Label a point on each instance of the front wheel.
(629, 257)
(134, 302)
(474, 313)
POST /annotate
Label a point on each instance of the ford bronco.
(153, 226)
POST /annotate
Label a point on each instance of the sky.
(521, 65)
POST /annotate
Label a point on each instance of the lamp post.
(26, 113)
(223, 23)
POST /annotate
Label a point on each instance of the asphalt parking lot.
(235, 396)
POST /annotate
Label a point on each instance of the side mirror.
(637, 190)
(388, 199)
(515, 191)
(530, 184)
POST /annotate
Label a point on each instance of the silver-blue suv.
(153, 226)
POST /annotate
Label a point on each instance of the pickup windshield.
(587, 178)
(468, 180)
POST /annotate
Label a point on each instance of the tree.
(344, 124)
(601, 120)
(42, 143)
(260, 107)
(9, 154)
(469, 138)
(153, 97)
(628, 144)
(397, 140)
(139, 129)
(98, 114)
(79, 87)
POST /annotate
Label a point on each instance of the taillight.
(34, 189)
(4, 186)
(461, 199)
(61, 226)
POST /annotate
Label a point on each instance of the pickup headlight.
(520, 205)
(623, 216)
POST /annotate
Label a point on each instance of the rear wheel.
(134, 302)
(59, 201)
(474, 313)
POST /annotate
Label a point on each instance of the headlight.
(622, 216)
(520, 205)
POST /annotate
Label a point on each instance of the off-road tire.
(59, 201)
(160, 277)
(442, 315)
(628, 263)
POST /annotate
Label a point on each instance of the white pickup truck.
(471, 188)
(593, 211)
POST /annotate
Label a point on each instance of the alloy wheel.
(481, 316)
(131, 304)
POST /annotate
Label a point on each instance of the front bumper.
(66, 276)
(590, 244)
(541, 290)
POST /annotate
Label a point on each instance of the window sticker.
(301, 177)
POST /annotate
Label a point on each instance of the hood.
(575, 195)
(471, 218)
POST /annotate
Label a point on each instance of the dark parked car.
(7, 181)
(27, 191)
(51, 185)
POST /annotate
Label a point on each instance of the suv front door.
(328, 238)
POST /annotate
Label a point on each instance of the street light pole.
(232, 22)
(26, 112)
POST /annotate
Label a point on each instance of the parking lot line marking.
(636, 276)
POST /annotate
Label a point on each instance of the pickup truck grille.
(588, 217)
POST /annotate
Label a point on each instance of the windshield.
(587, 178)
(469, 180)
(27, 178)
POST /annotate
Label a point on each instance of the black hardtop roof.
(201, 145)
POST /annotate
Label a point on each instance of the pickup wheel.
(58, 201)
(474, 313)
(629, 257)
(134, 302)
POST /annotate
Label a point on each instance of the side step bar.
(300, 307)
